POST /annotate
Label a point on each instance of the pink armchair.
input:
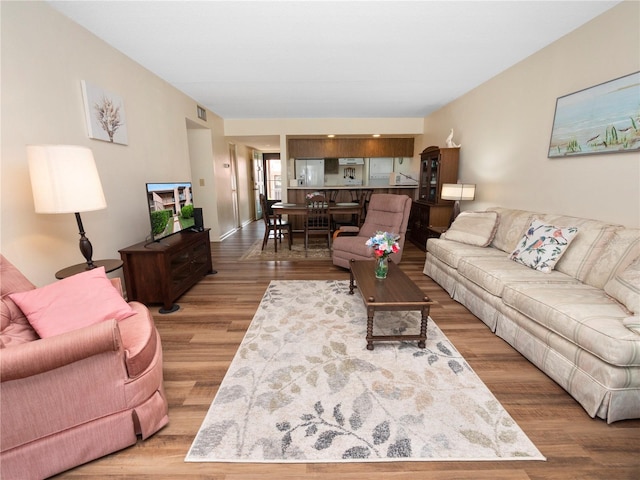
(71, 398)
(386, 213)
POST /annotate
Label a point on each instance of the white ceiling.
(324, 59)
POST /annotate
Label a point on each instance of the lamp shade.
(458, 191)
(64, 179)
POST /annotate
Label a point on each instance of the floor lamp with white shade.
(64, 179)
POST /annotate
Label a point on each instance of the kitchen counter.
(347, 193)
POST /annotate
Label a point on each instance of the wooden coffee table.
(397, 292)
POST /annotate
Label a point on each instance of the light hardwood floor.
(200, 339)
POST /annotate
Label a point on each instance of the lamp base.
(454, 212)
(85, 245)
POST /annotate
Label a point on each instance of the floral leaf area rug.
(304, 388)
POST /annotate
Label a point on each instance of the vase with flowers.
(383, 244)
(310, 195)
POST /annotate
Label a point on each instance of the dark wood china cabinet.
(429, 213)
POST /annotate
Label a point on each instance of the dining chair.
(361, 197)
(273, 223)
(333, 196)
(317, 220)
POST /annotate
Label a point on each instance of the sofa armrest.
(346, 229)
(50, 353)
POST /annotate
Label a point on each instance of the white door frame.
(235, 203)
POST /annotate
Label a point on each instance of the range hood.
(351, 161)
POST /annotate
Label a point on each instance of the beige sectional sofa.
(579, 323)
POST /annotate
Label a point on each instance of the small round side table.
(109, 265)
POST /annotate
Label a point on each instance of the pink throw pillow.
(74, 302)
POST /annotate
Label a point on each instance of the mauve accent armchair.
(386, 213)
(71, 398)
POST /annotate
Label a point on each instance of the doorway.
(257, 167)
(272, 175)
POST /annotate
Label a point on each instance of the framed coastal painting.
(105, 115)
(600, 119)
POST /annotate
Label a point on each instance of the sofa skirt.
(618, 399)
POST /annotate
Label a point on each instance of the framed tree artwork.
(600, 119)
(105, 115)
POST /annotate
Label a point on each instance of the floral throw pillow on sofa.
(542, 245)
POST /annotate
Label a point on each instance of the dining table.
(347, 208)
(300, 209)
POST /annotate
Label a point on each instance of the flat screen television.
(170, 208)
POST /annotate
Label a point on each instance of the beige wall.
(44, 58)
(203, 173)
(504, 127)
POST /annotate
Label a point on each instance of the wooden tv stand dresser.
(160, 272)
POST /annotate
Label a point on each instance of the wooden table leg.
(423, 327)
(351, 280)
(370, 312)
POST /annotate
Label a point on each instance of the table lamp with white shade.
(457, 192)
(64, 179)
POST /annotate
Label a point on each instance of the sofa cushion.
(74, 302)
(625, 287)
(583, 315)
(542, 245)
(473, 228)
(512, 225)
(494, 273)
(14, 327)
(12, 279)
(17, 333)
(632, 323)
(586, 247)
(452, 252)
(618, 253)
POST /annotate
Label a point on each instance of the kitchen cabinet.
(349, 147)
